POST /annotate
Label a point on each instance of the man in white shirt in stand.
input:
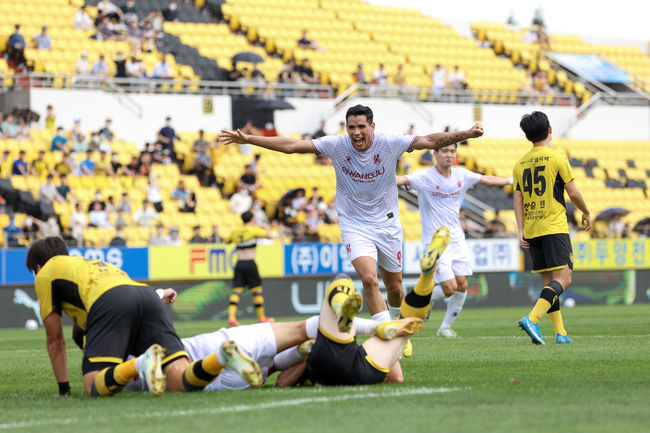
(441, 191)
(366, 195)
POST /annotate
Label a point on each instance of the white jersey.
(366, 189)
(440, 198)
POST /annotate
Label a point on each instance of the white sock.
(139, 363)
(454, 307)
(394, 312)
(382, 316)
(365, 326)
(311, 326)
(287, 358)
(221, 358)
(437, 293)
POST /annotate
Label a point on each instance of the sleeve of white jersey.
(416, 180)
(402, 143)
(325, 145)
(471, 178)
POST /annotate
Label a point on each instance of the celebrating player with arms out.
(441, 190)
(366, 194)
(541, 176)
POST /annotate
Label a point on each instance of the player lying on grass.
(337, 359)
(121, 317)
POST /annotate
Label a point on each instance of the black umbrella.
(643, 225)
(608, 214)
(247, 56)
(291, 194)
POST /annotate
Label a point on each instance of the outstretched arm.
(441, 139)
(576, 198)
(402, 181)
(495, 180)
(279, 144)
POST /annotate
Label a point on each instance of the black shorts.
(246, 274)
(333, 363)
(125, 321)
(551, 252)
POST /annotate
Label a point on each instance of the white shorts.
(384, 244)
(257, 341)
(454, 261)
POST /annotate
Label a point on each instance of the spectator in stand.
(23, 129)
(181, 194)
(67, 165)
(320, 132)
(107, 30)
(540, 84)
(144, 216)
(87, 165)
(64, 189)
(48, 228)
(196, 237)
(120, 221)
(308, 44)
(615, 227)
(118, 240)
(100, 67)
(166, 136)
(103, 166)
(134, 36)
(82, 20)
(43, 41)
(116, 165)
(162, 70)
(331, 215)
(16, 47)
(133, 168)
(471, 228)
(48, 193)
(174, 239)
(125, 204)
(97, 200)
(269, 130)
(190, 203)
(410, 130)
(106, 132)
(9, 127)
(154, 195)
(495, 227)
(248, 180)
(6, 164)
(135, 68)
(439, 78)
(240, 202)
(160, 155)
(50, 118)
(40, 167)
(130, 11)
(98, 217)
(110, 205)
(380, 77)
(109, 10)
(149, 36)
(257, 76)
(457, 79)
(159, 239)
(288, 73)
(79, 144)
(399, 79)
(12, 233)
(82, 67)
(426, 158)
(78, 222)
(20, 167)
(312, 222)
(202, 166)
(307, 74)
(359, 75)
(120, 65)
(171, 13)
(215, 237)
(200, 143)
(30, 229)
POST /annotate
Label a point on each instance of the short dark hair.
(359, 110)
(247, 216)
(43, 250)
(535, 125)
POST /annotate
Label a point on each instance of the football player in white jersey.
(366, 194)
(441, 191)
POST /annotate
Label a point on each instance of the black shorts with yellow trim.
(246, 274)
(336, 362)
(125, 321)
(551, 252)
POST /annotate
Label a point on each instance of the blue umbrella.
(609, 213)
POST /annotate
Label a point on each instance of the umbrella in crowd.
(609, 213)
(643, 226)
(247, 56)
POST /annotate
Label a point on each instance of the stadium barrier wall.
(208, 300)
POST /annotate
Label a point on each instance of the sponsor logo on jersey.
(360, 177)
(376, 159)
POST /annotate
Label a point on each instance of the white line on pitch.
(230, 409)
(507, 337)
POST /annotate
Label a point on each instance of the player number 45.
(534, 181)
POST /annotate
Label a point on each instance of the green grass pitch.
(490, 379)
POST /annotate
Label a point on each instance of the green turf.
(496, 380)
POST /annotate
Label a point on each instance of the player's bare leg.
(174, 372)
(366, 267)
(456, 290)
(394, 290)
(288, 334)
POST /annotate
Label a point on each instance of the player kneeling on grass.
(120, 317)
(336, 358)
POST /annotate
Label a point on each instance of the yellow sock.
(125, 372)
(258, 302)
(337, 292)
(416, 302)
(200, 374)
(556, 321)
(234, 304)
(540, 308)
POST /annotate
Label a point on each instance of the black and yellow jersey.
(73, 284)
(540, 175)
(246, 236)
